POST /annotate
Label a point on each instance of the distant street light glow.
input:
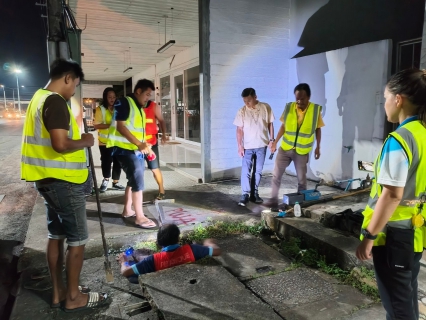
(18, 71)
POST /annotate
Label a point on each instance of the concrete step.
(336, 246)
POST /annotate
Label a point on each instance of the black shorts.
(154, 164)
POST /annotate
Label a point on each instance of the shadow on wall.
(351, 82)
(360, 99)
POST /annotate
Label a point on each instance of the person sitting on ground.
(172, 253)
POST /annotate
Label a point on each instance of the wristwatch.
(368, 235)
(271, 140)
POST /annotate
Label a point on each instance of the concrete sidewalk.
(195, 204)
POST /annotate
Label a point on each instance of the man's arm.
(62, 144)
(101, 126)
(279, 135)
(162, 123)
(122, 129)
(212, 244)
(318, 138)
(271, 135)
(240, 137)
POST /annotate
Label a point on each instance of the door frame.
(173, 73)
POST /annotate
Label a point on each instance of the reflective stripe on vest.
(106, 119)
(182, 255)
(411, 137)
(135, 123)
(300, 138)
(39, 160)
(151, 123)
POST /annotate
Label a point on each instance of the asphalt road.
(15, 208)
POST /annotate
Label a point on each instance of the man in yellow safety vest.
(302, 123)
(127, 137)
(54, 157)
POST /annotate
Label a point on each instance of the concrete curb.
(336, 247)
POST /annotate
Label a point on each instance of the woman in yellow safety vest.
(393, 228)
(103, 118)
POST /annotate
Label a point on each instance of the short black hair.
(144, 84)
(303, 86)
(61, 67)
(248, 92)
(168, 234)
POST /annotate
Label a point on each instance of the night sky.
(23, 43)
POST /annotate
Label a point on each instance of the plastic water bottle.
(297, 210)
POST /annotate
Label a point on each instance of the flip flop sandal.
(161, 196)
(94, 301)
(142, 226)
(83, 289)
(127, 217)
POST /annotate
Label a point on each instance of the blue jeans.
(66, 211)
(253, 159)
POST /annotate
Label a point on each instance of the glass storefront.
(165, 104)
(180, 104)
(192, 110)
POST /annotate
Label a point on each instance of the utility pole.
(17, 86)
(4, 96)
(13, 92)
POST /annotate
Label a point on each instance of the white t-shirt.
(255, 125)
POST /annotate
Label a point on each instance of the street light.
(17, 71)
(4, 95)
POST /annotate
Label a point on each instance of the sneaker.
(118, 186)
(256, 199)
(104, 185)
(243, 200)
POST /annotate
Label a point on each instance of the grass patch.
(151, 245)
(361, 278)
(220, 229)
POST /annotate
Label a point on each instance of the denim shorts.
(134, 167)
(66, 211)
(154, 164)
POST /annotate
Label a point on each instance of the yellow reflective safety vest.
(106, 119)
(135, 123)
(39, 159)
(300, 138)
(411, 136)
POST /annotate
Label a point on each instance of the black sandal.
(94, 301)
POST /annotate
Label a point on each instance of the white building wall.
(249, 47)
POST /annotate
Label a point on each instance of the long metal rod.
(98, 203)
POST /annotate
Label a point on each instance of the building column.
(205, 102)
(423, 52)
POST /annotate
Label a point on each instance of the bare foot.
(128, 214)
(79, 301)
